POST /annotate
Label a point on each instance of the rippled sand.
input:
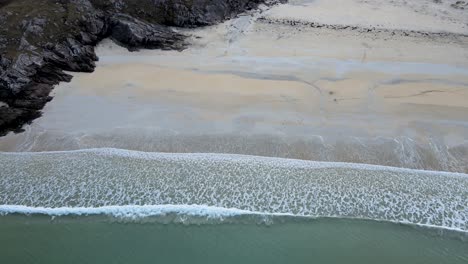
(261, 84)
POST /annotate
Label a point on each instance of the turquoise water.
(118, 206)
(38, 239)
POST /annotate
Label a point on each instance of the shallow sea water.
(39, 239)
(120, 206)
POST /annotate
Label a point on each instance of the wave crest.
(134, 184)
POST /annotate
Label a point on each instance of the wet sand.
(416, 15)
(261, 85)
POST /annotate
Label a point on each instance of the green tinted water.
(38, 239)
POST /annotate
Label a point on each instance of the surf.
(131, 183)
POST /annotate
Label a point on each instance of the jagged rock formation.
(135, 34)
(40, 39)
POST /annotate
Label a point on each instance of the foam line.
(283, 162)
(138, 212)
(115, 179)
(127, 211)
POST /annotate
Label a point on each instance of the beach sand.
(363, 86)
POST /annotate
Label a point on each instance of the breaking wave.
(131, 184)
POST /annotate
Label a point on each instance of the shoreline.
(245, 86)
(276, 161)
(100, 178)
(135, 213)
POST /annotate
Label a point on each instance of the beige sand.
(421, 15)
(250, 87)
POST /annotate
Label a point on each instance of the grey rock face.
(34, 26)
(136, 34)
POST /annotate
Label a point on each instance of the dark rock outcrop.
(136, 34)
(40, 39)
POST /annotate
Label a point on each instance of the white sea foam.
(128, 211)
(283, 162)
(133, 184)
(136, 212)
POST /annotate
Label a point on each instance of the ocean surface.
(293, 92)
(120, 206)
(80, 239)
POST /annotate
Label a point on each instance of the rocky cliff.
(41, 39)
